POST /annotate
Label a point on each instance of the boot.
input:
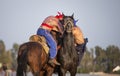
(53, 61)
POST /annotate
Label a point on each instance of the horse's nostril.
(69, 24)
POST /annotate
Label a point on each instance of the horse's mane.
(68, 43)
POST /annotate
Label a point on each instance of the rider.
(48, 24)
(78, 35)
(80, 42)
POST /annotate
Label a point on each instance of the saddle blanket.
(41, 40)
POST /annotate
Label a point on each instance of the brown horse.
(33, 54)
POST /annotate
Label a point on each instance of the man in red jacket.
(44, 30)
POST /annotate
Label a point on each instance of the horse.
(33, 55)
(67, 54)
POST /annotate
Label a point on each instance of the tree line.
(94, 60)
(98, 59)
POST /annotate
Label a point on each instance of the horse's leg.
(73, 71)
(35, 69)
(50, 71)
(62, 72)
(34, 64)
(42, 73)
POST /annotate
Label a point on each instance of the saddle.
(41, 40)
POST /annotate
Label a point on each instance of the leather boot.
(53, 61)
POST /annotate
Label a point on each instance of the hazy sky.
(98, 19)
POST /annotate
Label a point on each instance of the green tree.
(2, 47)
(93, 56)
(86, 63)
(2, 51)
(113, 57)
(14, 52)
(5, 56)
(100, 59)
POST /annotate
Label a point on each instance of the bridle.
(66, 24)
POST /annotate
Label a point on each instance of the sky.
(99, 20)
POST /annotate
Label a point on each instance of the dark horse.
(67, 54)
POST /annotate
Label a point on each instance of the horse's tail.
(22, 61)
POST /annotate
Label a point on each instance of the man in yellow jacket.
(78, 35)
(80, 42)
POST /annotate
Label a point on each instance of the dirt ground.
(108, 75)
(103, 74)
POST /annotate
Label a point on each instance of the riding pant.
(50, 41)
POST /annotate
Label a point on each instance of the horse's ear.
(63, 14)
(72, 15)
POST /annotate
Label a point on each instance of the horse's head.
(68, 23)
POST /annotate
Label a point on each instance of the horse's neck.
(68, 42)
(68, 39)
